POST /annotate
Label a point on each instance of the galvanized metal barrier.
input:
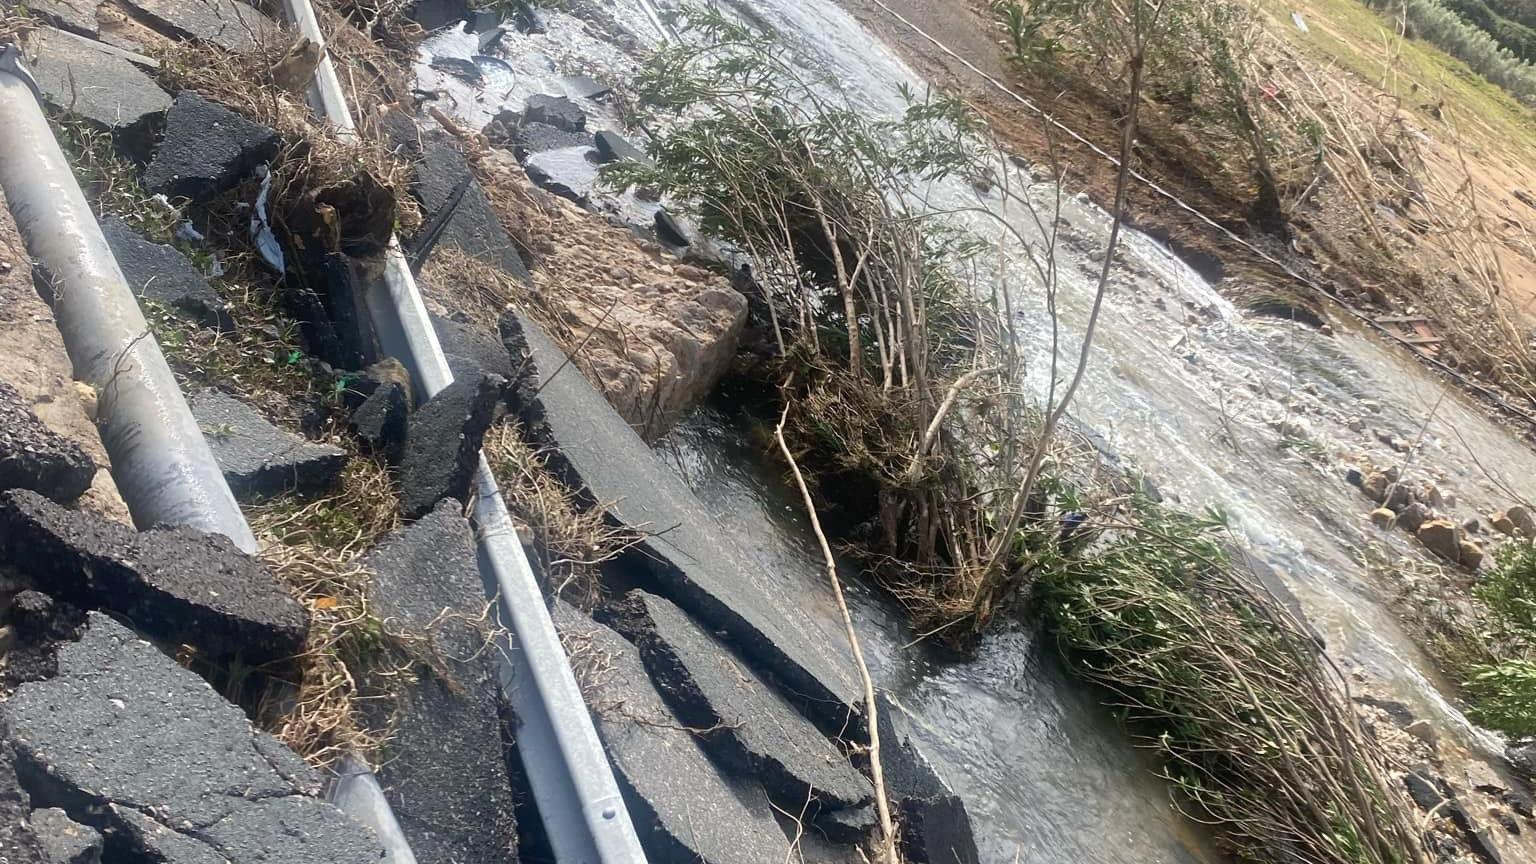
(578, 799)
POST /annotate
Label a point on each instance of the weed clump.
(1502, 682)
(1253, 724)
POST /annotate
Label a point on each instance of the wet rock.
(1442, 537)
(207, 149)
(163, 275)
(669, 230)
(474, 226)
(442, 444)
(88, 79)
(63, 840)
(584, 87)
(612, 147)
(1398, 498)
(229, 24)
(380, 421)
(1520, 516)
(470, 350)
(149, 752)
(1354, 478)
(32, 456)
(556, 111)
(1422, 791)
(1381, 517)
(17, 842)
(682, 548)
(935, 827)
(1519, 802)
(1469, 554)
(1472, 525)
(760, 733)
(1375, 486)
(684, 809)
(257, 458)
(175, 584)
(447, 777)
(1413, 516)
(533, 137)
(1502, 524)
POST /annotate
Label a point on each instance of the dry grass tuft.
(573, 541)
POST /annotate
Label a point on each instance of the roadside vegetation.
(905, 425)
(1454, 27)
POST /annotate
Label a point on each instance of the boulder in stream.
(1442, 537)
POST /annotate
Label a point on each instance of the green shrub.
(1447, 31)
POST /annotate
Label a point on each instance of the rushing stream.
(1255, 416)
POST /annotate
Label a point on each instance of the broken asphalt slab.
(65, 841)
(442, 444)
(258, 459)
(148, 751)
(470, 351)
(163, 275)
(32, 456)
(179, 585)
(685, 811)
(613, 147)
(474, 226)
(94, 82)
(207, 149)
(228, 24)
(446, 776)
(758, 732)
(682, 548)
(935, 826)
(18, 845)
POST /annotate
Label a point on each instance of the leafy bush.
(1503, 687)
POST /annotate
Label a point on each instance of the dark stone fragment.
(557, 111)
(435, 14)
(668, 230)
(853, 826)
(258, 459)
(534, 137)
(584, 87)
(175, 584)
(32, 456)
(482, 21)
(1422, 791)
(685, 811)
(162, 274)
(760, 733)
(544, 180)
(447, 780)
(683, 549)
(18, 845)
(474, 226)
(442, 444)
(1519, 802)
(40, 624)
(63, 840)
(207, 149)
(1507, 821)
(935, 827)
(150, 754)
(380, 421)
(1482, 845)
(229, 24)
(87, 79)
(612, 147)
(1354, 478)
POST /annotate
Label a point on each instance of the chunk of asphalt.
(759, 732)
(854, 825)
(613, 147)
(32, 456)
(1422, 791)
(228, 24)
(77, 16)
(584, 87)
(162, 274)
(207, 149)
(935, 826)
(684, 809)
(151, 754)
(442, 444)
(533, 137)
(474, 227)
(434, 14)
(257, 458)
(556, 111)
(683, 549)
(18, 845)
(178, 584)
(470, 350)
(40, 624)
(447, 778)
(380, 421)
(78, 76)
(64, 840)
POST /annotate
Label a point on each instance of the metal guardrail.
(579, 803)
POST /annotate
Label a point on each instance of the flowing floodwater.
(1255, 416)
